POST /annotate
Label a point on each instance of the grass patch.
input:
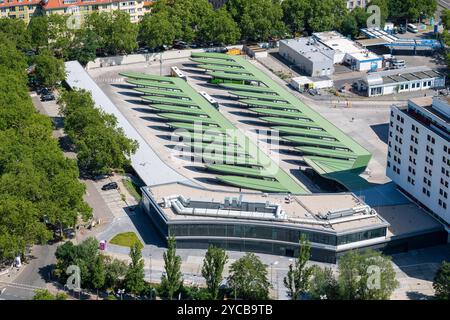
(126, 239)
(133, 189)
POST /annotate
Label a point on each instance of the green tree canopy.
(49, 70)
(248, 278)
(172, 279)
(298, 276)
(134, 279)
(258, 20)
(412, 9)
(213, 265)
(441, 283)
(366, 276)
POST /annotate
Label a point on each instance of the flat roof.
(147, 164)
(403, 75)
(308, 47)
(304, 207)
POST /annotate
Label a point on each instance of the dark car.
(48, 97)
(43, 90)
(402, 30)
(110, 186)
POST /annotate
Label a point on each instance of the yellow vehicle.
(234, 51)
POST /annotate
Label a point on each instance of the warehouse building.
(317, 55)
(400, 80)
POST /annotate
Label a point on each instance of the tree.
(366, 276)
(213, 264)
(43, 294)
(297, 278)
(100, 145)
(122, 36)
(384, 8)
(16, 31)
(156, 30)
(445, 18)
(134, 279)
(98, 276)
(49, 70)
(323, 284)
(84, 46)
(412, 9)
(441, 282)
(59, 35)
(258, 20)
(115, 271)
(38, 30)
(295, 13)
(172, 280)
(248, 278)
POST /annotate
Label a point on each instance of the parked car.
(313, 92)
(47, 97)
(43, 90)
(402, 30)
(143, 50)
(110, 186)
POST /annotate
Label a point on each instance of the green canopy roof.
(241, 171)
(217, 148)
(219, 56)
(327, 152)
(291, 122)
(145, 76)
(231, 76)
(166, 100)
(253, 183)
(268, 104)
(166, 93)
(186, 118)
(317, 142)
(153, 84)
(230, 160)
(223, 68)
(246, 87)
(342, 173)
(259, 96)
(178, 109)
(193, 127)
(278, 113)
(203, 137)
(295, 131)
(219, 62)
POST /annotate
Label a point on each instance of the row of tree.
(368, 275)
(197, 22)
(100, 144)
(39, 187)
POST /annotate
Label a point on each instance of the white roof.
(147, 164)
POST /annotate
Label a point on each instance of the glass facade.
(360, 236)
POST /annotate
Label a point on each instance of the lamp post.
(150, 256)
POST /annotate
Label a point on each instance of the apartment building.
(25, 9)
(352, 4)
(419, 153)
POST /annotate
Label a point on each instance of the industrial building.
(419, 153)
(400, 80)
(317, 55)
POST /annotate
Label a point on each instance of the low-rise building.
(400, 80)
(352, 4)
(266, 223)
(317, 55)
(419, 153)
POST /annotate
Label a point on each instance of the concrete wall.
(142, 58)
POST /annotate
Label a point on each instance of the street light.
(150, 256)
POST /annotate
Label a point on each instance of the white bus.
(412, 28)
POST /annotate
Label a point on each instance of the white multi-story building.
(352, 4)
(419, 153)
